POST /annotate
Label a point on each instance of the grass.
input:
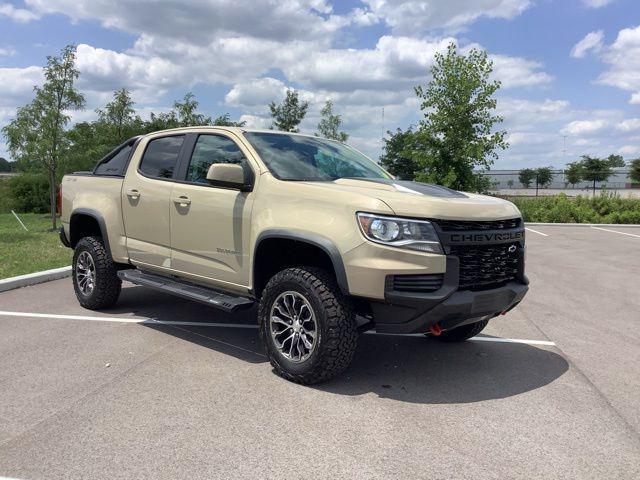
(603, 208)
(27, 252)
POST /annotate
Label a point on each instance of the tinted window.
(116, 163)
(161, 156)
(298, 157)
(213, 149)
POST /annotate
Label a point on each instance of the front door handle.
(133, 194)
(182, 200)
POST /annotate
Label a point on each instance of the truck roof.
(230, 129)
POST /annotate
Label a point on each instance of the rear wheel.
(462, 333)
(95, 275)
(308, 327)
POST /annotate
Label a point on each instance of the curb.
(610, 225)
(34, 278)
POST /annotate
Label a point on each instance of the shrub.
(6, 202)
(605, 208)
(30, 193)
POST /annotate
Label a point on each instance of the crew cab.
(320, 237)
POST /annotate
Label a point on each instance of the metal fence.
(507, 182)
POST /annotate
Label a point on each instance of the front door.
(146, 199)
(210, 226)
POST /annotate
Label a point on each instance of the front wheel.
(307, 326)
(95, 275)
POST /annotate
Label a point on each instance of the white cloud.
(591, 42)
(201, 21)
(19, 15)
(256, 93)
(629, 125)
(17, 84)
(629, 149)
(416, 16)
(623, 58)
(596, 3)
(518, 72)
(583, 127)
(7, 52)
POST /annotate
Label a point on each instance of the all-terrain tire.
(336, 325)
(106, 285)
(462, 333)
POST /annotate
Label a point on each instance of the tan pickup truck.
(323, 239)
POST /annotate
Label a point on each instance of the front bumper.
(408, 312)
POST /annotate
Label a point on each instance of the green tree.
(458, 138)
(5, 165)
(288, 115)
(615, 161)
(36, 136)
(526, 176)
(510, 183)
(119, 118)
(573, 173)
(544, 176)
(395, 157)
(634, 170)
(329, 125)
(595, 170)
(186, 112)
(225, 121)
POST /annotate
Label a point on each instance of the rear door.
(146, 198)
(210, 225)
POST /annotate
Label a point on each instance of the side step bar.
(214, 298)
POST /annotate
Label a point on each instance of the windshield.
(296, 157)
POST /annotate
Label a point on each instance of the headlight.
(400, 232)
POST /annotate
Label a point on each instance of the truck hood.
(422, 200)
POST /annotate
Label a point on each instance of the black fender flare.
(97, 216)
(312, 239)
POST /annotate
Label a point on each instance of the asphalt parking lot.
(97, 395)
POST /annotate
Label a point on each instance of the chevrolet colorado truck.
(321, 238)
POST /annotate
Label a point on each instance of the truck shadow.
(404, 368)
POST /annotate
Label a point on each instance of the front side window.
(212, 149)
(160, 157)
(297, 157)
(115, 164)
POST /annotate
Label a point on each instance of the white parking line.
(152, 321)
(123, 320)
(512, 340)
(536, 231)
(615, 231)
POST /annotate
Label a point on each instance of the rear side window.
(160, 157)
(114, 165)
(211, 149)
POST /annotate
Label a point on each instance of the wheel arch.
(85, 222)
(327, 251)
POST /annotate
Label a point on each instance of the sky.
(570, 69)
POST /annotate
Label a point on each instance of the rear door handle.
(182, 200)
(134, 194)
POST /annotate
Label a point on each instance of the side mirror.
(228, 175)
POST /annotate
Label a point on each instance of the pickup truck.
(321, 238)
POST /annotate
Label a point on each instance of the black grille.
(462, 225)
(417, 283)
(486, 266)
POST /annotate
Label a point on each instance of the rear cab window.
(115, 163)
(161, 156)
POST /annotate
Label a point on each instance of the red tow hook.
(435, 330)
